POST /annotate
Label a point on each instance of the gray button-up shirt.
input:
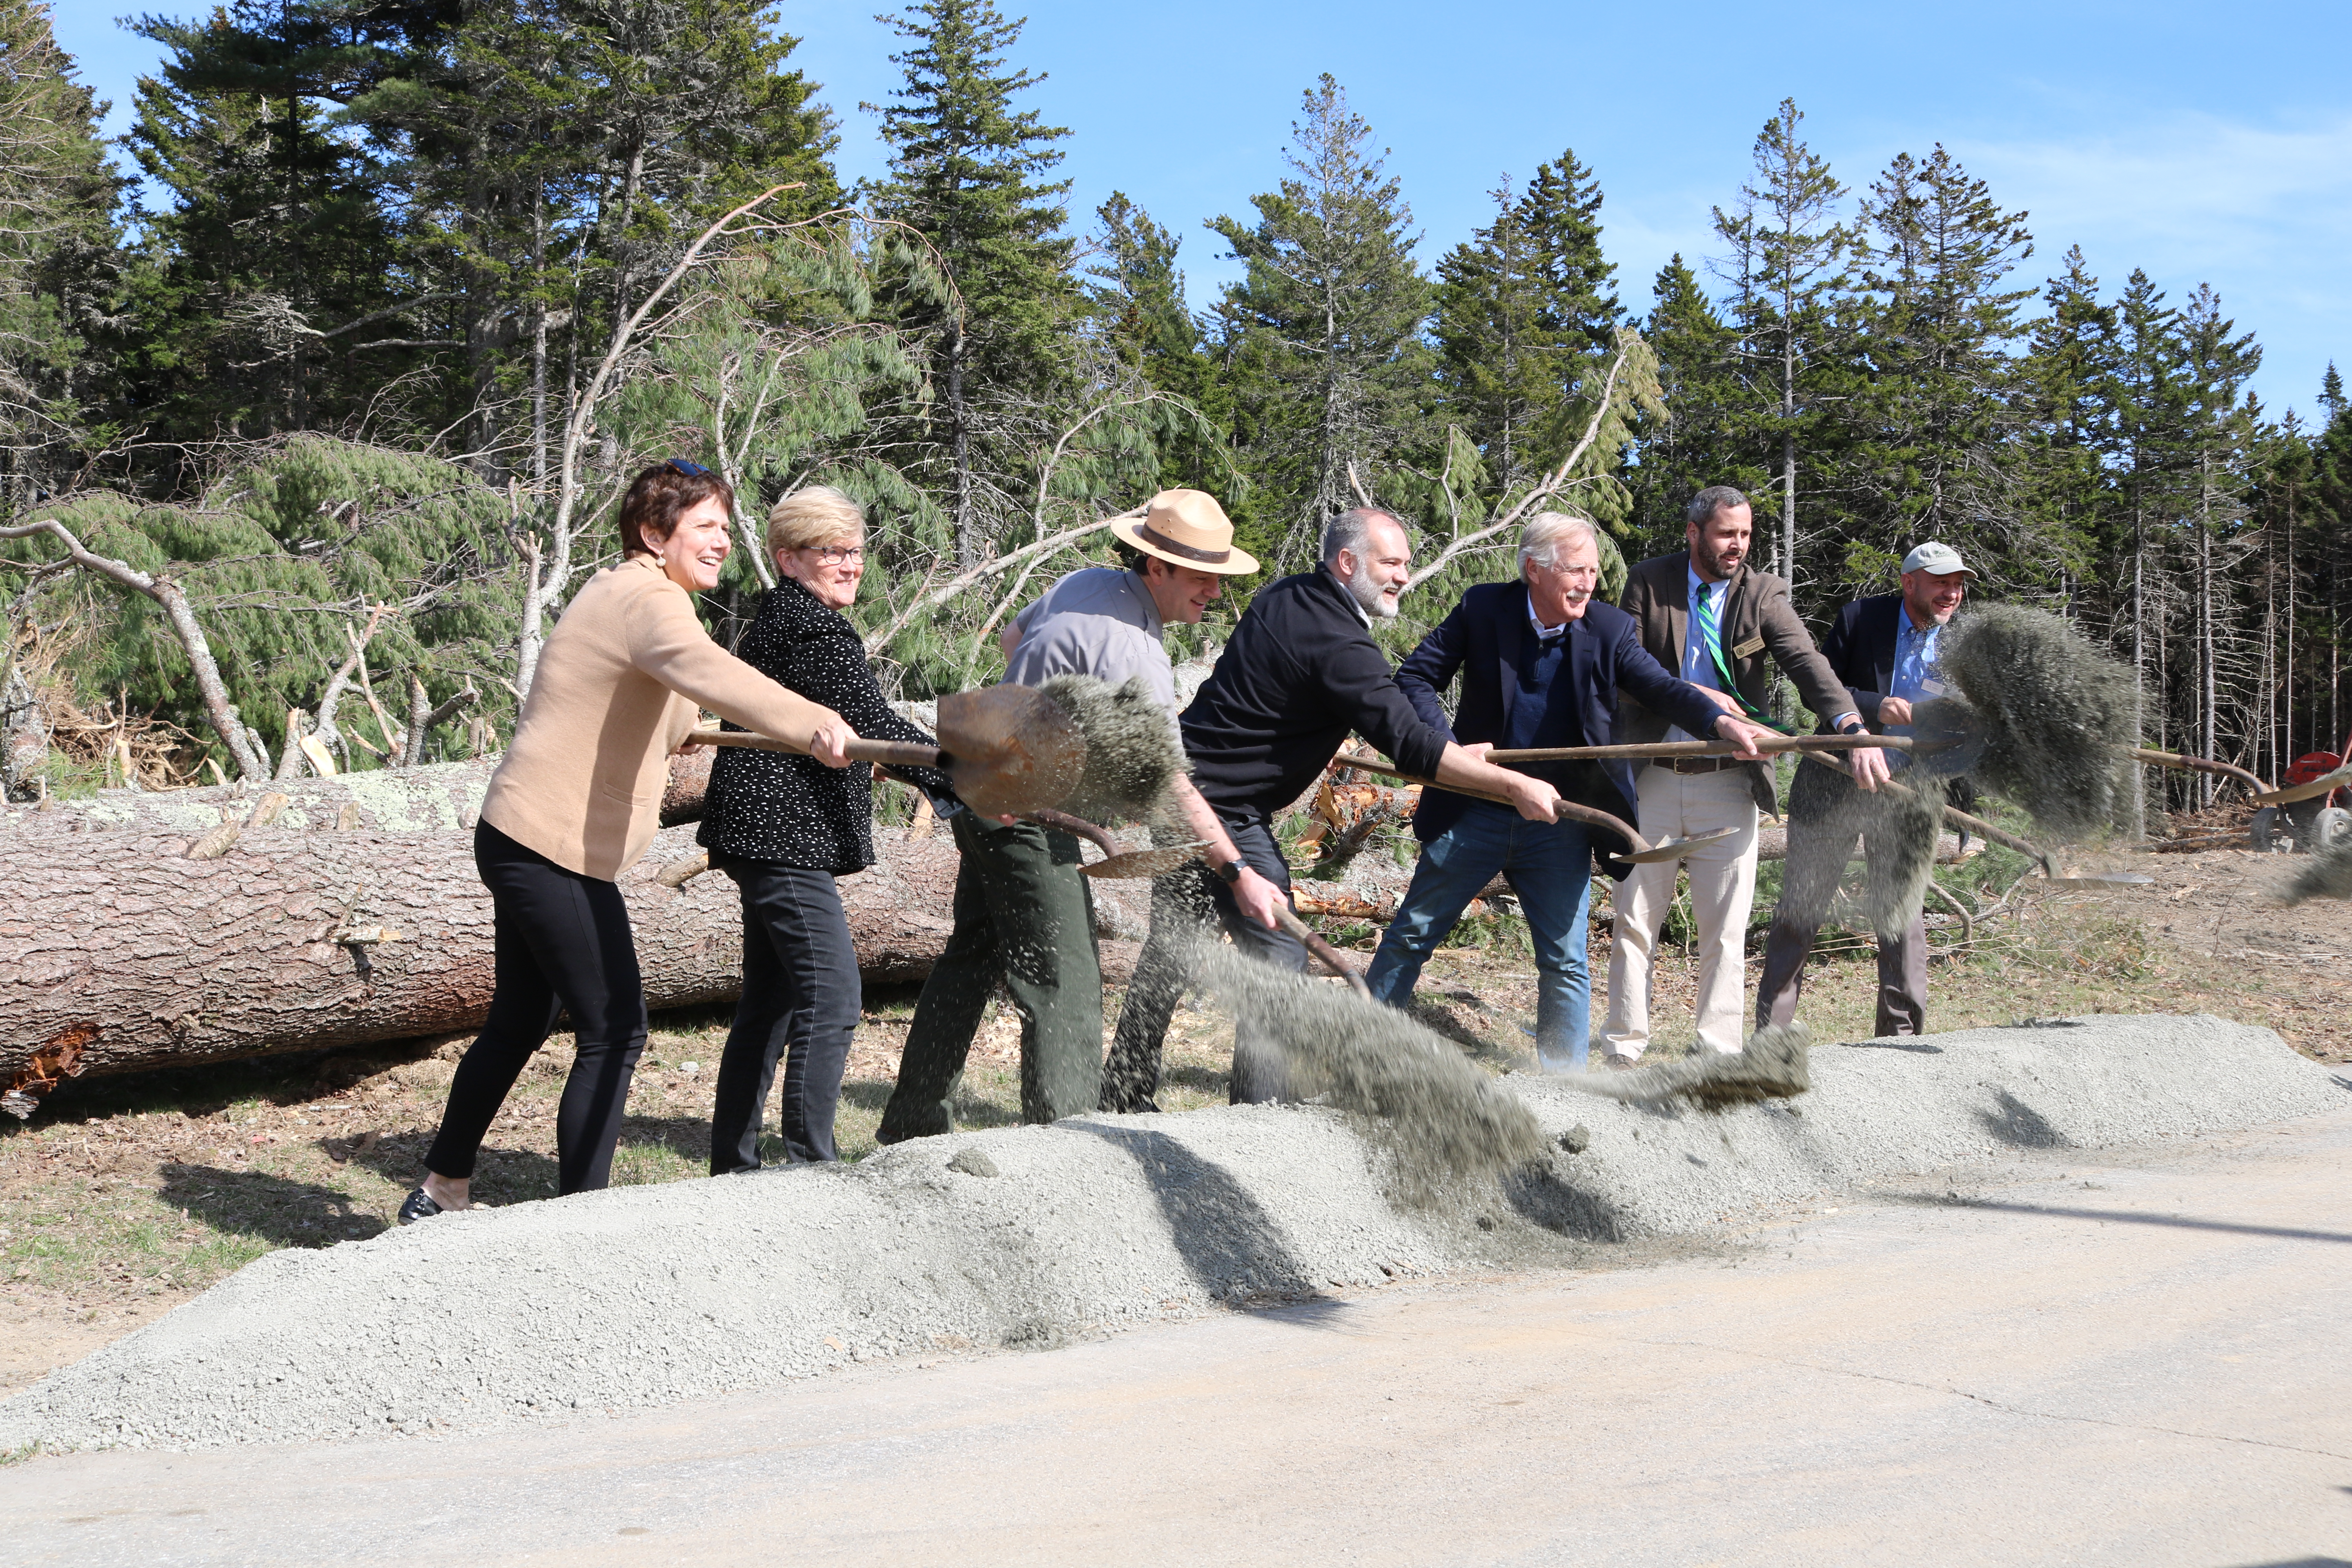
(1099, 622)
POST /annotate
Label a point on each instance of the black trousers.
(800, 997)
(1182, 902)
(563, 945)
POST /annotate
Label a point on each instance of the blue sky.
(2203, 144)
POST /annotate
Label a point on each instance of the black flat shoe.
(417, 1207)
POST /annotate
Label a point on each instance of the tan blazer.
(618, 686)
(1760, 630)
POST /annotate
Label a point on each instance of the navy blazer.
(1481, 640)
(1861, 651)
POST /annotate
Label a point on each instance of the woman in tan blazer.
(577, 798)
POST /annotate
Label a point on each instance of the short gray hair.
(1547, 531)
(1351, 529)
(1710, 500)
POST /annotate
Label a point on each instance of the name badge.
(1750, 648)
(1933, 687)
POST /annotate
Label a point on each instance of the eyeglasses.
(691, 470)
(835, 554)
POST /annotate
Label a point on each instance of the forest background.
(339, 392)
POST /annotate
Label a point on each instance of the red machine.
(2314, 823)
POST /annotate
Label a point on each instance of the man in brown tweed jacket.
(1718, 623)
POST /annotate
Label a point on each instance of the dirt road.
(2061, 1358)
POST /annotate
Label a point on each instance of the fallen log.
(118, 952)
(438, 797)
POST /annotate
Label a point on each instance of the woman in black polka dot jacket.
(783, 826)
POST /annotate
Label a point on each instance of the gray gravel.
(1026, 1237)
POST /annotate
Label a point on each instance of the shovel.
(1124, 865)
(1009, 751)
(1643, 851)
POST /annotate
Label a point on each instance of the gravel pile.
(1025, 1238)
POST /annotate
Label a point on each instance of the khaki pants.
(1722, 888)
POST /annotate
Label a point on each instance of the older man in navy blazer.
(1541, 663)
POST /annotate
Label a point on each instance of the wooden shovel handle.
(1770, 745)
(1590, 815)
(889, 753)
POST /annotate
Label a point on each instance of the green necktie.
(1710, 634)
(1706, 626)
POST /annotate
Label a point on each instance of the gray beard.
(1367, 594)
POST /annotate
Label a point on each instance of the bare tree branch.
(1551, 485)
(218, 710)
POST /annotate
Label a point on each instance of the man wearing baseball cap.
(1022, 913)
(1883, 648)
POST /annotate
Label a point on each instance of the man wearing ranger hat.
(1022, 913)
(1883, 650)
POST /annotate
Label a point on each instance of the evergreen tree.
(2330, 562)
(254, 295)
(1933, 430)
(2067, 383)
(2217, 435)
(1322, 333)
(1522, 307)
(1697, 440)
(965, 172)
(1136, 297)
(58, 250)
(1787, 270)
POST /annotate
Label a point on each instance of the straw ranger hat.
(1187, 528)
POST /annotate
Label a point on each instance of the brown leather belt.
(1697, 764)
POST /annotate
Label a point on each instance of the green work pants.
(1023, 916)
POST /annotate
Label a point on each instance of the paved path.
(2093, 1359)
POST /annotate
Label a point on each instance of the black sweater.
(774, 805)
(1301, 671)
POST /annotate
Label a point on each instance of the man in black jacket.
(1301, 671)
(1541, 663)
(1883, 648)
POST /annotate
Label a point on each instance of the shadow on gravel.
(273, 1208)
(1922, 1046)
(1230, 1245)
(1541, 1198)
(2019, 1125)
(2117, 1216)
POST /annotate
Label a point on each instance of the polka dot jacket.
(772, 805)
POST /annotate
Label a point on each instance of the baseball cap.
(1938, 560)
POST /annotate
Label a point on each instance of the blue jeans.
(1549, 865)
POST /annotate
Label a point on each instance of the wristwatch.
(1859, 728)
(1231, 871)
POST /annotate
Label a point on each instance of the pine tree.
(965, 170)
(2330, 558)
(2067, 388)
(1136, 295)
(2217, 435)
(58, 249)
(1322, 333)
(1934, 428)
(1696, 442)
(1522, 306)
(1786, 268)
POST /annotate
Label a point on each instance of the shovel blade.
(1010, 749)
(1672, 848)
(1137, 863)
